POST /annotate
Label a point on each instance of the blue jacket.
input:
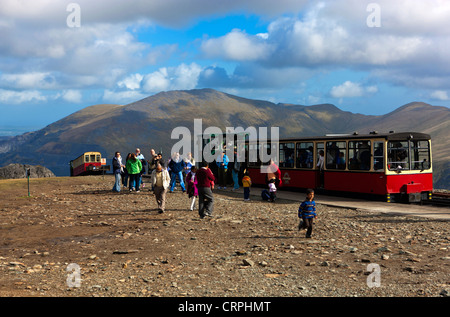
(176, 167)
(223, 160)
(307, 209)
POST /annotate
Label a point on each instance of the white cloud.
(73, 96)
(440, 95)
(181, 77)
(18, 97)
(122, 97)
(350, 89)
(132, 82)
(237, 46)
(33, 80)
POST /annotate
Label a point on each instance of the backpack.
(265, 195)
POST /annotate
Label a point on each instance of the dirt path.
(121, 246)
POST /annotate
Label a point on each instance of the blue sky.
(367, 57)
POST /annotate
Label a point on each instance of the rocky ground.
(121, 246)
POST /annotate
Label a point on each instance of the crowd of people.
(198, 182)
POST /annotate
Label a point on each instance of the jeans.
(235, 175)
(116, 187)
(135, 181)
(173, 180)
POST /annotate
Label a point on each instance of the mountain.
(148, 123)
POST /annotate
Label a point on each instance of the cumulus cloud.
(411, 42)
(18, 97)
(350, 89)
(237, 46)
(440, 95)
(172, 78)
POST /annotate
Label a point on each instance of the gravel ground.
(119, 246)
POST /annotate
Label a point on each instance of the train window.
(253, 154)
(398, 155)
(304, 155)
(335, 156)
(378, 155)
(420, 155)
(287, 154)
(86, 158)
(320, 154)
(98, 158)
(92, 158)
(359, 155)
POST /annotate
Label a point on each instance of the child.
(272, 190)
(246, 183)
(192, 185)
(307, 212)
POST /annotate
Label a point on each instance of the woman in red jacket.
(205, 184)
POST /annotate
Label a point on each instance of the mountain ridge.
(147, 123)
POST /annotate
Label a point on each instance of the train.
(393, 166)
(88, 163)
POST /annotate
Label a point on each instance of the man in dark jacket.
(176, 166)
(117, 170)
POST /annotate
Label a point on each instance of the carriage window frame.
(286, 147)
(357, 152)
(378, 158)
(418, 160)
(307, 159)
(330, 157)
(398, 155)
(86, 158)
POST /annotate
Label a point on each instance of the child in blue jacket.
(307, 213)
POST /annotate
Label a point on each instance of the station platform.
(425, 210)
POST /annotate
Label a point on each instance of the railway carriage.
(88, 163)
(395, 166)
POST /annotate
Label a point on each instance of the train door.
(319, 164)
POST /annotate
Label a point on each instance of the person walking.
(176, 166)
(205, 184)
(160, 181)
(307, 213)
(117, 170)
(134, 167)
(191, 186)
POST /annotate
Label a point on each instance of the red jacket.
(205, 178)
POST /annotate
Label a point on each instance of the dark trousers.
(205, 201)
(223, 177)
(246, 192)
(135, 181)
(308, 225)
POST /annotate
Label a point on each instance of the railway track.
(440, 199)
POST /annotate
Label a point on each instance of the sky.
(369, 57)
